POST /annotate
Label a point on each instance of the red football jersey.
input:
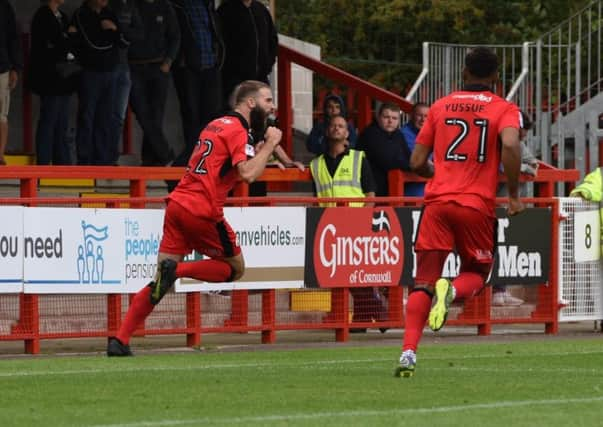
(211, 171)
(463, 131)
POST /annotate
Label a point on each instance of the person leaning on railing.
(344, 172)
(591, 189)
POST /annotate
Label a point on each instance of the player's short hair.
(388, 106)
(481, 62)
(245, 90)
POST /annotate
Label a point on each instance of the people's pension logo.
(358, 246)
(90, 256)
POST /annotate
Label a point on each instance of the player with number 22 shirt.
(194, 217)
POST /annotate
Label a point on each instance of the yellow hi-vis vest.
(346, 181)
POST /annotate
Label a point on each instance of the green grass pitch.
(541, 383)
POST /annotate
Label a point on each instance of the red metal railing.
(365, 91)
(33, 312)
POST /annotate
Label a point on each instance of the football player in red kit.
(194, 217)
(469, 132)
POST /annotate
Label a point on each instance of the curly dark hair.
(481, 62)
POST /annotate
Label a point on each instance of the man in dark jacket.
(251, 43)
(51, 52)
(150, 61)
(130, 24)
(196, 70)
(332, 106)
(98, 38)
(10, 64)
(384, 146)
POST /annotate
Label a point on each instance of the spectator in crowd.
(131, 26)
(196, 71)
(410, 131)
(194, 217)
(10, 64)
(344, 172)
(151, 60)
(529, 166)
(50, 78)
(460, 199)
(251, 43)
(97, 37)
(332, 106)
(384, 146)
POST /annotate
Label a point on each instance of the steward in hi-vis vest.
(340, 171)
(591, 189)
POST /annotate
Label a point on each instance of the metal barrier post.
(240, 309)
(193, 319)
(340, 298)
(113, 313)
(30, 322)
(268, 316)
(395, 305)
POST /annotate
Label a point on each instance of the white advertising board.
(272, 240)
(587, 246)
(11, 249)
(142, 230)
(90, 250)
(73, 250)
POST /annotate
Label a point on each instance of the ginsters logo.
(356, 246)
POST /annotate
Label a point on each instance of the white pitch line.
(273, 363)
(349, 414)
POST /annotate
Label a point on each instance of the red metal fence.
(33, 318)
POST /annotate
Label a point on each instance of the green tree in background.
(380, 40)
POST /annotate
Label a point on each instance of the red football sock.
(467, 284)
(139, 309)
(207, 270)
(417, 312)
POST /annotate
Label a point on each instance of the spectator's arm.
(14, 43)
(591, 188)
(272, 40)
(367, 180)
(419, 161)
(315, 142)
(287, 161)
(511, 159)
(173, 34)
(352, 135)
(89, 34)
(404, 156)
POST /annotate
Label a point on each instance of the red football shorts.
(183, 232)
(445, 227)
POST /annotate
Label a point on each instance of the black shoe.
(357, 330)
(167, 277)
(118, 349)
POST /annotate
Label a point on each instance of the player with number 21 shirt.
(469, 133)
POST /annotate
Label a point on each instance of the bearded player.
(194, 216)
(469, 132)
